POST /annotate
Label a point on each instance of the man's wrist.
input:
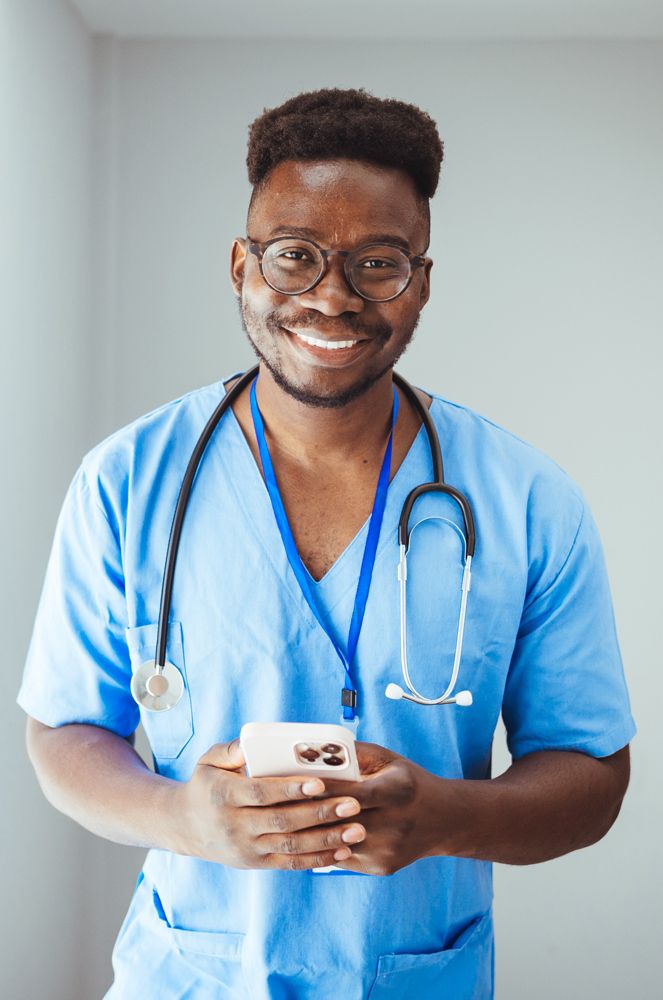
(461, 811)
(169, 810)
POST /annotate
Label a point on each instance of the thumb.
(372, 757)
(228, 756)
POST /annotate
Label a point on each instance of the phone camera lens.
(334, 761)
(331, 748)
(309, 754)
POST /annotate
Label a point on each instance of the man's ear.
(238, 253)
(424, 293)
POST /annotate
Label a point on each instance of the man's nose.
(333, 295)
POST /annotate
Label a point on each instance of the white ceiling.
(374, 19)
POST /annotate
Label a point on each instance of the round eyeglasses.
(378, 272)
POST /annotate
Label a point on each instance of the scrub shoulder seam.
(216, 389)
(508, 433)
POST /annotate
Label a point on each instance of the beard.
(267, 327)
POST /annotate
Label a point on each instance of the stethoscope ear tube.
(180, 511)
(394, 691)
(447, 698)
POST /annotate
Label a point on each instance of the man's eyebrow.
(311, 234)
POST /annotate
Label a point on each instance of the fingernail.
(342, 854)
(347, 808)
(313, 788)
(353, 835)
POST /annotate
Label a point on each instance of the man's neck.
(326, 435)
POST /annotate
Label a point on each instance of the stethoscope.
(157, 685)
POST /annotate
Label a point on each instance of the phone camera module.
(305, 752)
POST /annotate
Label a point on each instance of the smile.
(328, 345)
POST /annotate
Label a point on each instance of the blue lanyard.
(349, 692)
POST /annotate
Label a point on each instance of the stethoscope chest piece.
(155, 690)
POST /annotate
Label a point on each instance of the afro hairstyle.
(333, 123)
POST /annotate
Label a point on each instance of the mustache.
(352, 328)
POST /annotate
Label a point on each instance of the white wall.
(45, 77)
(544, 316)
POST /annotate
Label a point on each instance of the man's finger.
(228, 756)
(290, 817)
(371, 791)
(299, 862)
(270, 791)
(327, 838)
(372, 757)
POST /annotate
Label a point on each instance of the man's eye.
(295, 253)
(376, 263)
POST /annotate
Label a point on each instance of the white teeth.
(333, 345)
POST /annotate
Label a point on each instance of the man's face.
(340, 204)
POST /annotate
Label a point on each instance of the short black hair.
(332, 124)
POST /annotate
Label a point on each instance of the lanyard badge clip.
(349, 717)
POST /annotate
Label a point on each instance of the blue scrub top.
(540, 646)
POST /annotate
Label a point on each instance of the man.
(228, 903)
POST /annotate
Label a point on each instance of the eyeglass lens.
(378, 272)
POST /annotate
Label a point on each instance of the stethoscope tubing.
(438, 484)
(181, 509)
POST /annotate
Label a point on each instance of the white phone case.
(316, 750)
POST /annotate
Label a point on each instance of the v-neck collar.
(253, 497)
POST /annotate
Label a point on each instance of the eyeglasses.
(378, 272)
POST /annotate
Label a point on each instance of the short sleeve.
(78, 668)
(565, 688)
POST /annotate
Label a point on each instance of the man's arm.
(546, 804)
(96, 777)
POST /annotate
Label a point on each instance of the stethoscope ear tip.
(395, 692)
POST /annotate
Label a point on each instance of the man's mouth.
(328, 345)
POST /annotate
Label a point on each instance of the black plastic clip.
(348, 698)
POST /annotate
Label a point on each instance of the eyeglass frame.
(414, 260)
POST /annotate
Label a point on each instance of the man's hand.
(261, 822)
(400, 809)
(546, 804)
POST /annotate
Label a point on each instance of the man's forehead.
(337, 198)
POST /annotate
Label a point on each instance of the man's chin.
(319, 396)
(315, 397)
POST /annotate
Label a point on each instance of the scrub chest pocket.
(168, 732)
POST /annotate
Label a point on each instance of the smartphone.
(315, 750)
